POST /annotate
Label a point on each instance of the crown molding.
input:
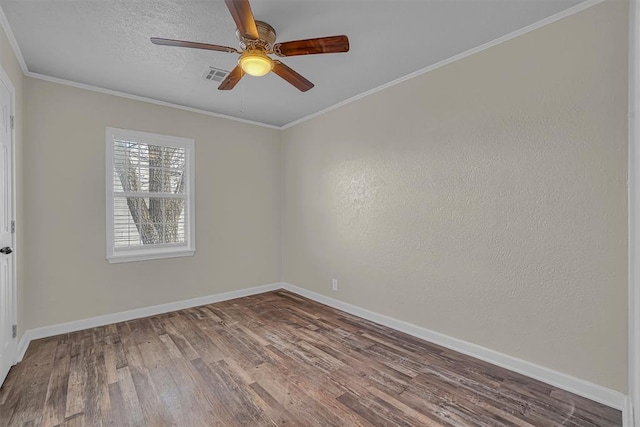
(145, 99)
(12, 41)
(546, 21)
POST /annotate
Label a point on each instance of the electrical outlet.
(334, 284)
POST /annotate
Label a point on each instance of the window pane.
(156, 180)
(125, 179)
(175, 183)
(117, 185)
(173, 157)
(174, 220)
(124, 227)
(126, 153)
(150, 214)
(143, 178)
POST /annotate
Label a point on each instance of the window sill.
(146, 256)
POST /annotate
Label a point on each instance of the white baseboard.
(107, 319)
(627, 413)
(566, 382)
(23, 344)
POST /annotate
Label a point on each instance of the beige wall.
(11, 66)
(485, 200)
(237, 207)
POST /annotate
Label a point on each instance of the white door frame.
(4, 77)
(633, 406)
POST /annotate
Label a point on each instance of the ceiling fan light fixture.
(257, 40)
(255, 63)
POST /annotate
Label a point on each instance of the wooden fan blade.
(243, 17)
(232, 79)
(194, 45)
(333, 44)
(291, 76)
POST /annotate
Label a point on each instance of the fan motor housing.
(266, 37)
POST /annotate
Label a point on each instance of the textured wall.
(237, 207)
(485, 200)
(11, 66)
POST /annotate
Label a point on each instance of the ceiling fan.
(257, 41)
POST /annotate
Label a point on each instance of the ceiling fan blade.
(333, 44)
(243, 17)
(291, 76)
(232, 79)
(194, 45)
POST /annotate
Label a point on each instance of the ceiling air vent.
(214, 74)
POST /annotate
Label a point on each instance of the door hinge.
(13, 226)
(14, 331)
(11, 121)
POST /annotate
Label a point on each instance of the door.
(7, 297)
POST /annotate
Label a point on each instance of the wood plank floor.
(272, 359)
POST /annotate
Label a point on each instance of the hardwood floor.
(272, 359)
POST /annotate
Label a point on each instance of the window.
(150, 189)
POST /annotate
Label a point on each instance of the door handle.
(6, 250)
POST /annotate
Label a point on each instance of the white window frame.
(142, 253)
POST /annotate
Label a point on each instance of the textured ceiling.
(105, 43)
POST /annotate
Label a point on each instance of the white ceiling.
(105, 43)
